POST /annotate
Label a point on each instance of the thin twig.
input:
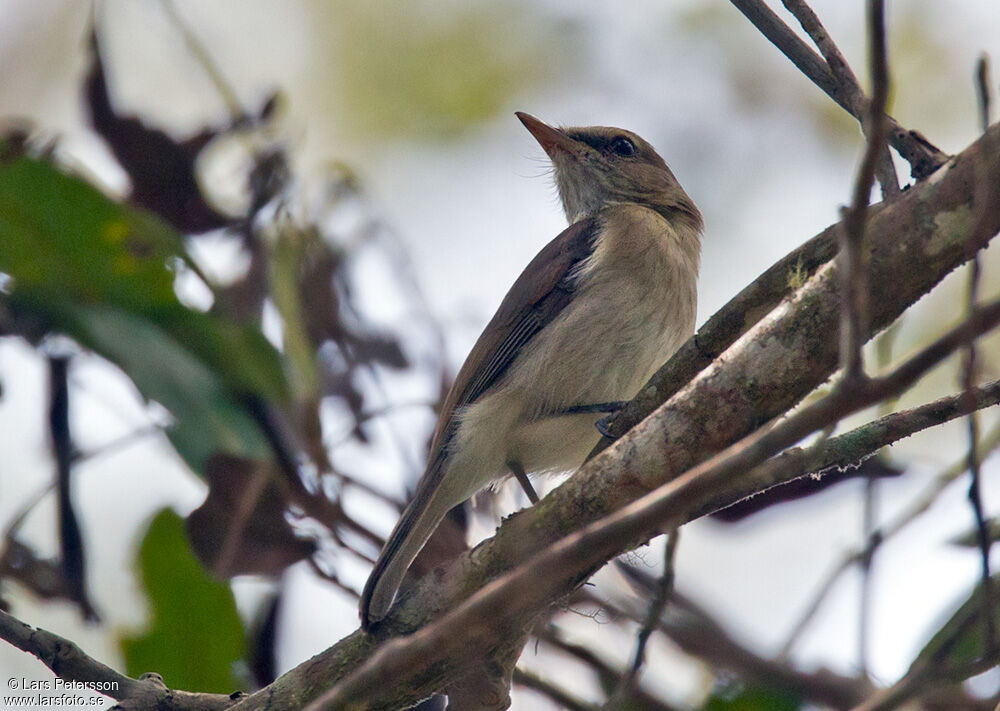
(697, 634)
(286, 455)
(885, 171)
(969, 372)
(606, 673)
(201, 54)
(853, 268)
(117, 444)
(983, 90)
(658, 603)
(865, 608)
(72, 557)
(557, 694)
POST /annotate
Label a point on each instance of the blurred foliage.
(103, 273)
(924, 92)
(735, 697)
(960, 643)
(195, 637)
(241, 527)
(970, 539)
(429, 68)
(733, 39)
(925, 69)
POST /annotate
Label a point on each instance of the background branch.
(923, 157)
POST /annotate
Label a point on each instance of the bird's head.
(599, 165)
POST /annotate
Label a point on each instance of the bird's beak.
(550, 139)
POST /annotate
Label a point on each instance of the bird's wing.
(544, 288)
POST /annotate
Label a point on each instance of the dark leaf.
(241, 527)
(376, 348)
(874, 467)
(195, 636)
(161, 169)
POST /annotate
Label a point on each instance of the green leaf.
(195, 637)
(67, 244)
(736, 697)
(206, 418)
(961, 640)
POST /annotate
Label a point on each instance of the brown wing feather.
(539, 294)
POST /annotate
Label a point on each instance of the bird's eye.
(623, 146)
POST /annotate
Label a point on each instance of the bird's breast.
(633, 306)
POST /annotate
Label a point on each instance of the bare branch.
(201, 54)
(72, 556)
(657, 604)
(854, 272)
(697, 634)
(563, 698)
(904, 518)
(606, 672)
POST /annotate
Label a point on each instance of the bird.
(585, 325)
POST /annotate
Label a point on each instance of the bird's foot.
(603, 426)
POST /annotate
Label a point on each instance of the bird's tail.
(415, 526)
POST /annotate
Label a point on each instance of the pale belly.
(577, 360)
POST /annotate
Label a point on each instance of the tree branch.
(69, 662)
(698, 635)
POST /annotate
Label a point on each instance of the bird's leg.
(522, 478)
(612, 407)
